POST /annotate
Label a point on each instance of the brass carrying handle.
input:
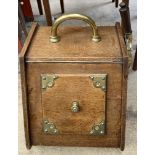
(54, 38)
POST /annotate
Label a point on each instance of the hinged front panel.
(73, 104)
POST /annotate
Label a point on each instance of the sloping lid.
(75, 45)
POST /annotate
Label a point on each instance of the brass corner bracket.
(98, 129)
(49, 127)
(99, 81)
(48, 80)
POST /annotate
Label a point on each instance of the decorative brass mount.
(48, 80)
(99, 81)
(54, 38)
(98, 129)
(49, 127)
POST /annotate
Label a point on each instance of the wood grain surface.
(57, 102)
(113, 108)
(75, 45)
(124, 85)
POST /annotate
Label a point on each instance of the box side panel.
(23, 82)
(113, 108)
(124, 102)
(24, 103)
(124, 83)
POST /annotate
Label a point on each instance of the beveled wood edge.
(124, 84)
(84, 61)
(124, 102)
(23, 83)
(24, 102)
(78, 145)
(28, 39)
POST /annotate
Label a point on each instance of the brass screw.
(54, 77)
(96, 127)
(46, 122)
(103, 87)
(98, 84)
(50, 84)
(102, 123)
(55, 130)
(92, 77)
(46, 130)
(44, 78)
(52, 126)
(91, 132)
(103, 78)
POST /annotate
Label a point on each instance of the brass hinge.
(99, 81)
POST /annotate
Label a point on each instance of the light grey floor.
(104, 13)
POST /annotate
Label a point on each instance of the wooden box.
(74, 91)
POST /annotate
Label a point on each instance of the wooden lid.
(76, 45)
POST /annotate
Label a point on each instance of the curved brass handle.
(55, 38)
